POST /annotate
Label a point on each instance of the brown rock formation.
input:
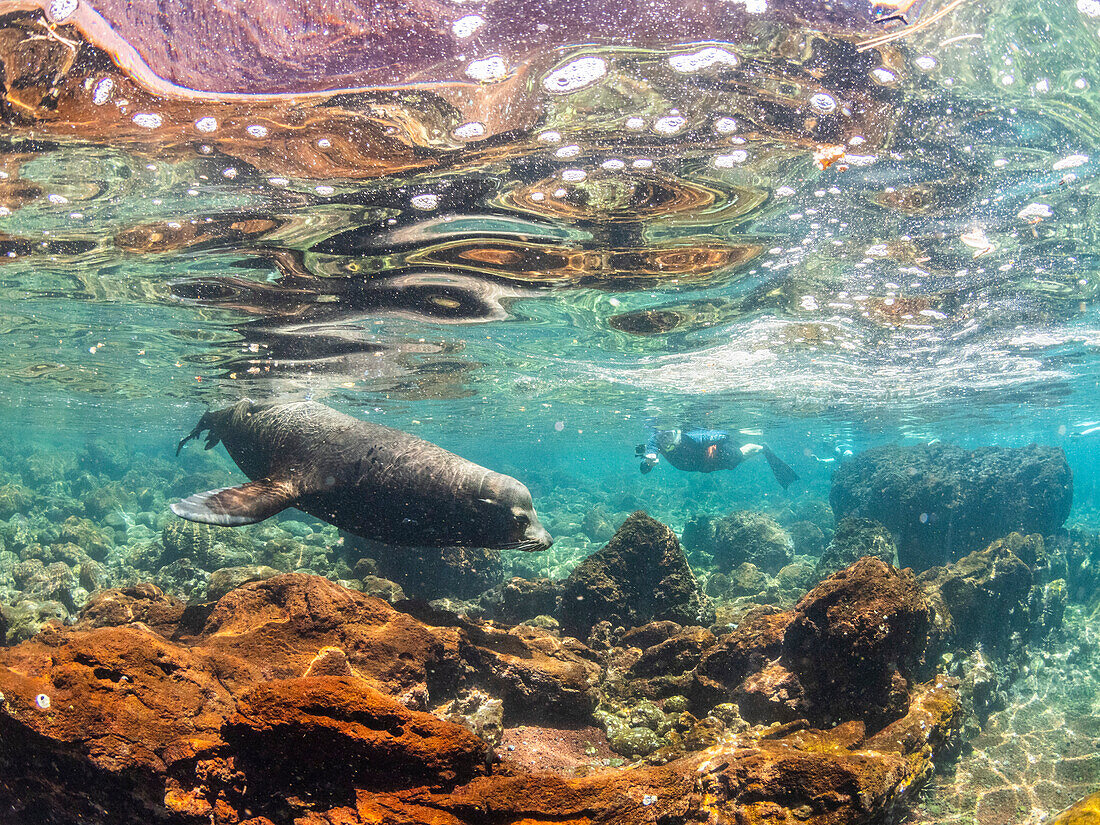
(282, 708)
(640, 575)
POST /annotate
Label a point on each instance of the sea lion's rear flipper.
(234, 506)
(205, 423)
(783, 473)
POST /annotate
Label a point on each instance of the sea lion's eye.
(521, 518)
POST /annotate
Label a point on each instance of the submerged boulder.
(855, 538)
(998, 598)
(746, 536)
(856, 640)
(640, 575)
(439, 572)
(941, 502)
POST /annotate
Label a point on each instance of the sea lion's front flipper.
(783, 473)
(234, 506)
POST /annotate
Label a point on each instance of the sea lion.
(374, 481)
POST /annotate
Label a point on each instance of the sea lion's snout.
(538, 536)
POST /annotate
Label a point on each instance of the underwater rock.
(376, 740)
(941, 502)
(27, 618)
(698, 536)
(772, 695)
(382, 588)
(87, 536)
(991, 598)
(746, 579)
(433, 572)
(204, 544)
(808, 538)
(856, 640)
(597, 524)
(1084, 812)
(747, 536)
(649, 634)
(536, 674)
(477, 712)
(14, 498)
(183, 578)
(224, 579)
(756, 641)
(853, 539)
(639, 576)
(518, 599)
(666, 667)
(120, 725)
(145, 603)
(794, 580)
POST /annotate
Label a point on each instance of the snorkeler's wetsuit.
(698, 451)
(704, 451)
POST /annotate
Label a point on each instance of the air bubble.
(469, 131)
(324, 143)
(278, 181)
(725, 125)
(925, 63)
(206, 124)
(57, 199)
(730, 160)
(1034, 210)
(147, 120)
(102, 92)
(635, 123)
(257, 131)
(550, 136)
(570, 151)
(324, 190)
(60, 10)
(43, 701)
(883, 76)
(466, 26)
(642, 163)
(669, 125)
(823, 104)
(1070, 162)
(576, 75)
(703, 59)
(488, 70)
(613, 165)
(426, 202)
(573, 175)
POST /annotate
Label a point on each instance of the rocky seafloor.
(732, 665)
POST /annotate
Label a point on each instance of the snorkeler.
(704, 451)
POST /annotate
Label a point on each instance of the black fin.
(783, 473)
(234, 506)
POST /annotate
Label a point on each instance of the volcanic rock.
(941, 502)
(120, 725)
(992, 598)
(853, 539)
(757, 538)
(640, 575)
(854, 640)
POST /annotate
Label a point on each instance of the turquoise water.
(600, 232)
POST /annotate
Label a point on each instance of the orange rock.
(120, 725)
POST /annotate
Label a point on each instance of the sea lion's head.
(508, 517)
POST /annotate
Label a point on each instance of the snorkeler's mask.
(668, 440)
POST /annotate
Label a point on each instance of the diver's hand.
(649, 461)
